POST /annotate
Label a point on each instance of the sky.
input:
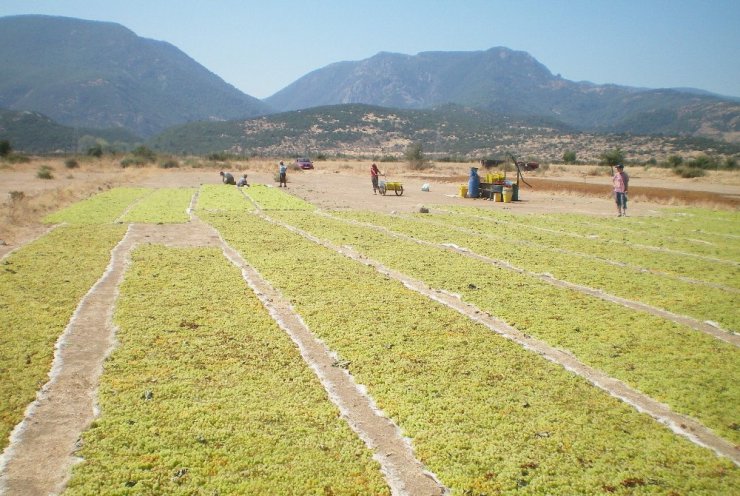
(261, 46)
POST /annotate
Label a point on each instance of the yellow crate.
(492, 177)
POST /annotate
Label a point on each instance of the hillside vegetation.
(450, 130)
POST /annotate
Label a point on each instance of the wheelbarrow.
(385, 186)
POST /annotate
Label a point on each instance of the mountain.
(514, 83)
(102, 75)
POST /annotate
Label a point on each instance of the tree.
(144, 153)
(5, 148)
(569, 157)
(674, 161)
(95, 151)
(415, 157)
(613, 157)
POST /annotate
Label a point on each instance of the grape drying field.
(260, 345)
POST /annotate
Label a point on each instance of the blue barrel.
(474, 183)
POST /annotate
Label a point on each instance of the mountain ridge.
(101, 74)
(510, 82)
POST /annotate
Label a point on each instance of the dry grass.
(26, 198)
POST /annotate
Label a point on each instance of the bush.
(674, 161)
(71, 163)
(95, 151)
(144, 153)
(703, 162)
(5, 148)
(415, 157)
(612, 157)
(133, 161)
(219, 156)
(688, 171)
(45, 172)
(169, 164)
(17, 158)
(569, 157)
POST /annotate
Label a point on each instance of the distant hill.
(339, 128)
(32, 132)
(513, 83)
(445, 131)
(102, 75)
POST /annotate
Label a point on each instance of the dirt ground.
(345, 184)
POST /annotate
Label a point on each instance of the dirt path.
(41, 452)
(678, 423)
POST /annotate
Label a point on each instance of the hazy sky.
(261, 46)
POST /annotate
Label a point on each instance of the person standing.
(283, 174)
(374, 173)
(227, 178)
(621, 184)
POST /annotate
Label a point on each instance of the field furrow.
(162, 206)
(483, 414)
(41, 285)
(103, 208)
(720, 270)
(219, 197)
(269, 198)
(205, 394)
(637, 348)
(671, 231)
(678, 296)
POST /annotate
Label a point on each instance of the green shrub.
(71, 163)
(17, 158)
(95, 151)
(45, 172)
(133, 161)
(703, 162)
(5, 148)
(674, 161)
(219, 156)
(613, 157)
(415, 157)
(169, 164)
(144, 153)
(688, 171)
